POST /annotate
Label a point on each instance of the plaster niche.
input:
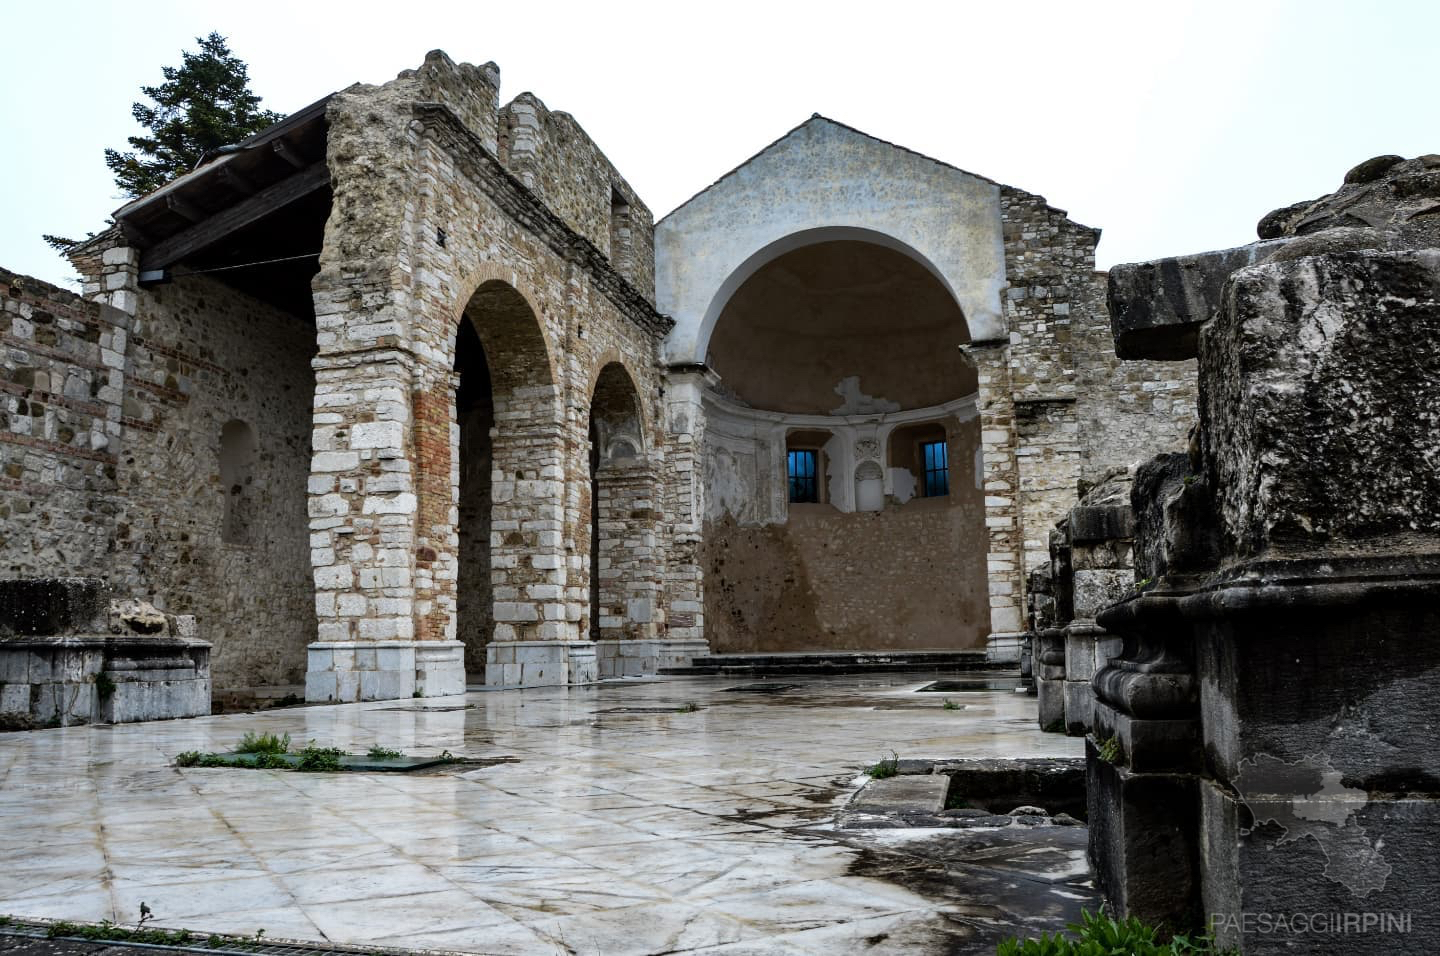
(869, 487)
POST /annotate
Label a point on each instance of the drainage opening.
(1057, 785)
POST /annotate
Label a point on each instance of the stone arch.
(650, 435)
(625, 575)
(515, 432)
(797, 240)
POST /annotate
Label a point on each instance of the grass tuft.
(885, 767)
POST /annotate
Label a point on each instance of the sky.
(1173, 126)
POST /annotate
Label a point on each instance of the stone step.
(833, 662)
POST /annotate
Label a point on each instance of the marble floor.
(612, 825)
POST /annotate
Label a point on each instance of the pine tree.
(203, 104)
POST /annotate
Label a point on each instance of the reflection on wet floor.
(631, 817)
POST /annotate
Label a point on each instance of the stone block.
(1144, 841)
(387, 685)
(15, 699)
(1051, 704)
(1095, 590)
(321, 687)
(1294, 370)
(1157, 308)
(1079, 707)
(1329, 856)
(918, 793)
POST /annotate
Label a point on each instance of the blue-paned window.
(937, 468)
(801, 468)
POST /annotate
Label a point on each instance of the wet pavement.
(619, 823)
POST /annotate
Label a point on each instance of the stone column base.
(439, 668)
(540, 663)
(632, 658)
(346, 671)
(1004, 648)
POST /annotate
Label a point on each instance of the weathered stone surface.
(914, 792)
(1318, 376)
(1291, 549)
(1145, 858)
(1387, 194)
(1157, 308)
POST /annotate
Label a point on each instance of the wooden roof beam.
(208, 232)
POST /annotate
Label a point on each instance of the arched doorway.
(474, 417)
(624, 560)
(507, 428)
(823, 532)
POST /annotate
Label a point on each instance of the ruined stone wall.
(907, 578)
(1048, 258)
(407, 248)
(1079, 411)
(557, 160)
(202, 357)
(61, 388)
(112, 460)
(1131, 410)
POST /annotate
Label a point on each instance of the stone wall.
(558, 161)
(62, 377)
(204, 356)
(910, 577)
(1079, 410)
(112, 459)
(836, 575)
(427, 226)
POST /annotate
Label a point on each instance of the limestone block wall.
(203, 360)
(62, 374)
(427, 227)
(1079, 411)
(556, 159)
(111, 456)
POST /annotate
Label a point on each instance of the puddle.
(648, 710)
(971, 684)
(766, 688)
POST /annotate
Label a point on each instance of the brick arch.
(528, 427)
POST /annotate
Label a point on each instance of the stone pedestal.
(1144, 852)
(1088, 647)
(1298, 591)
(1320, 712)
(439, 668)
(634, 658)
(72, 653)
(680, 651)
(540, 663)
(1004, 648)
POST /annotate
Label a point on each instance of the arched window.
(238, 448)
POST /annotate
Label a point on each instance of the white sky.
(1173, 126)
